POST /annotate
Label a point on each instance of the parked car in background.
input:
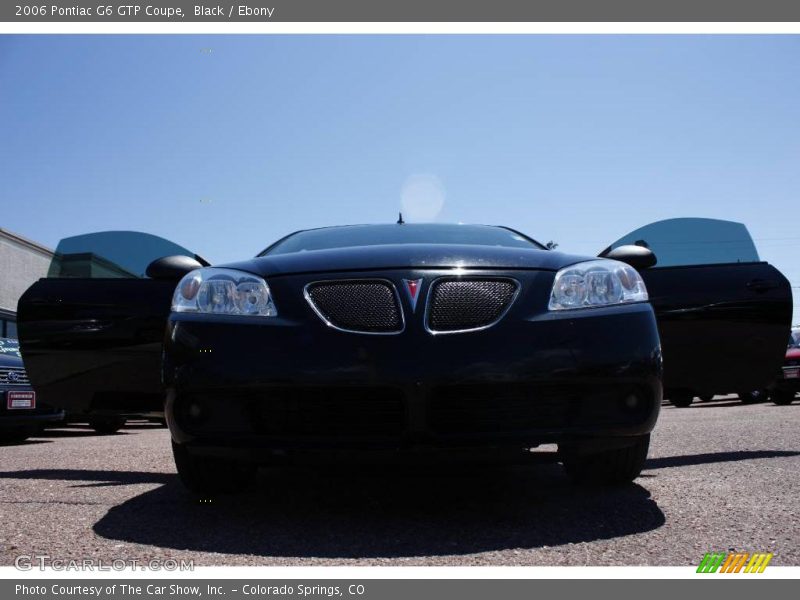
(20, 414)
(786, 389)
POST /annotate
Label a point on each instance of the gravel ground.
(722, 476)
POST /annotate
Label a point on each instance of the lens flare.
(422, 198)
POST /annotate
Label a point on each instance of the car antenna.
(400, 220)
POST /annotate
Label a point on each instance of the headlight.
(223, 292)
(596, 283)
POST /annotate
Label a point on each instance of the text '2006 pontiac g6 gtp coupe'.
(389, 338)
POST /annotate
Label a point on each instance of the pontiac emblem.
(412, 289)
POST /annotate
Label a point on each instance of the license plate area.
(793, 373)
(20, 400)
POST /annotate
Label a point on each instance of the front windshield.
(380, 235)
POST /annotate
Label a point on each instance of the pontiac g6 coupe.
(401, 337)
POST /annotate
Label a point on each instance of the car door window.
(111, 254)
(693, 241)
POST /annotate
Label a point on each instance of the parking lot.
(722, 476)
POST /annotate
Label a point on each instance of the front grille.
(331, 412)
(474, 409)
(363, 306)
(13, 376)
(464, 304)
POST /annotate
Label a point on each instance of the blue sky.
(225, 143)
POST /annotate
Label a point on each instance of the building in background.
(21, 263)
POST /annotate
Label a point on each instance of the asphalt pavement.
(722, 476)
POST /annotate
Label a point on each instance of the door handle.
(762, 285)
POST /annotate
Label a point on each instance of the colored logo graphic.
(744, 562)
(412, 289)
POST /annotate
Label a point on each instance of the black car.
(374, 338)
(21, 415)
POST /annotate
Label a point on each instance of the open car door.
(91, 332)
(722, 313)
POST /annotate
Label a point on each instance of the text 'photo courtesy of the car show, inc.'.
(346, 301)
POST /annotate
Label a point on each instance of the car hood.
(406, 256)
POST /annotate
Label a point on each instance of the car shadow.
(25, 442)
(344, 513)
(349, 513)
(715, 457)
(99, 477)
(71, 432)
(78, 430)
(727, 403)
(143, 425)
(710, 404)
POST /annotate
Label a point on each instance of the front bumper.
(245, 385)
(14, 419)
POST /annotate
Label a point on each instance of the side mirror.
(172, 268)
(638, 257)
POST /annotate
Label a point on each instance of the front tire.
(782, 397)
(107, 425)
(210, 475)
(617, 466)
